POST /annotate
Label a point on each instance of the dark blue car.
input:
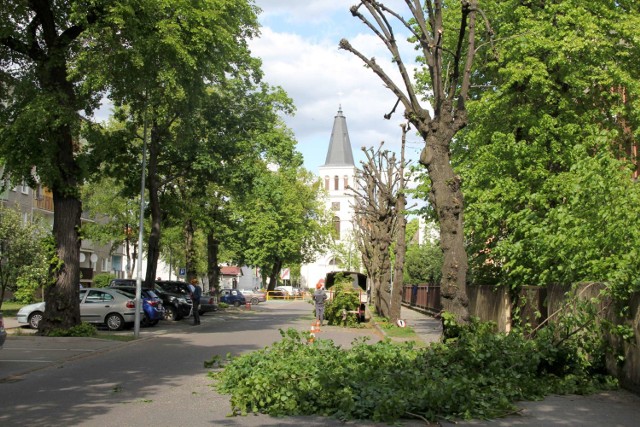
(232, 297)
(151, 304)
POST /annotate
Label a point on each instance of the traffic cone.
(312, 338)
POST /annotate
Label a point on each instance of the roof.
(231, 271)
(340, 153)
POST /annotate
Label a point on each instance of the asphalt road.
(160, 379)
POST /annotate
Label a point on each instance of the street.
(160, 378)
(157, 380)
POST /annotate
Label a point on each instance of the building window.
(335, 206)
(327, 183)
(336, 182)
(105, 265)
(346, 182)
(336, 227)
(116, 263)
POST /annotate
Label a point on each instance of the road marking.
(27, 361)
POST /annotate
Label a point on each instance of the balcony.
(44, 202)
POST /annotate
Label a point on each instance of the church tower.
(338, 174)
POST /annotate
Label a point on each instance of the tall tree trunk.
(153, 248)
(273, 275)
(401, 244)
(62, 297)
(190, 251)
(447, 201)
(213, 269)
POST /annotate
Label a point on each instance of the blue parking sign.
(183, 271)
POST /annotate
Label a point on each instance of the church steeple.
(339, 153)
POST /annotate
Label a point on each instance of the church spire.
(339, 153)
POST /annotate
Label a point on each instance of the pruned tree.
(376, 223)
(448, 54)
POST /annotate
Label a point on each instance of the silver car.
(111, 307)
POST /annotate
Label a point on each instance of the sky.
(298, 46)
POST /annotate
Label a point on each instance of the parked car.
(151, 304)
(111, 307)
(176, 299)
(253, 296)
(290, 290)
(232, 297)
(207, 303)
(278, 294)
(3, 332)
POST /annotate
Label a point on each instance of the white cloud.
(320, 77)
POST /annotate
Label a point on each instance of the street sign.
(183, 271)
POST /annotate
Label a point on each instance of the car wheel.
(114, 322)
(236, 303)
(170, 313)
(255, 301)
(34, 319)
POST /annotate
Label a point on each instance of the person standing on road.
(196, 293)
(319, 297)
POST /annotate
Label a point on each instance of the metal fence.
(424, 296)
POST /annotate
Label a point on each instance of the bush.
(344, 298)
(479, 374)
(102, 280)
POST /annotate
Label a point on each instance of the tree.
(448, 54)
(116, 218)
(282, 221)
(22, 253)
(423, 264)
(177, 51)
(547, 200)
(42, 94)
(377, 221)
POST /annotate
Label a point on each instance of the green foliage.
(23, 267)
(283, 219)
(82, 330)
(547, 189)
(423, 263)
(102, 280)
(345, 298)
(479, 374)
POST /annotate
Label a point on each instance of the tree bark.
(447, 200)
(273, 275)
(190, 251)
(213, 269)
(401, 244)
(153, 248)
(62, 296)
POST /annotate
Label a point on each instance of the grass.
(10, 309)
(393, 331)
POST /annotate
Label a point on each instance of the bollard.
(247, 306)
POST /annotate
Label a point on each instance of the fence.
(425, 297)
